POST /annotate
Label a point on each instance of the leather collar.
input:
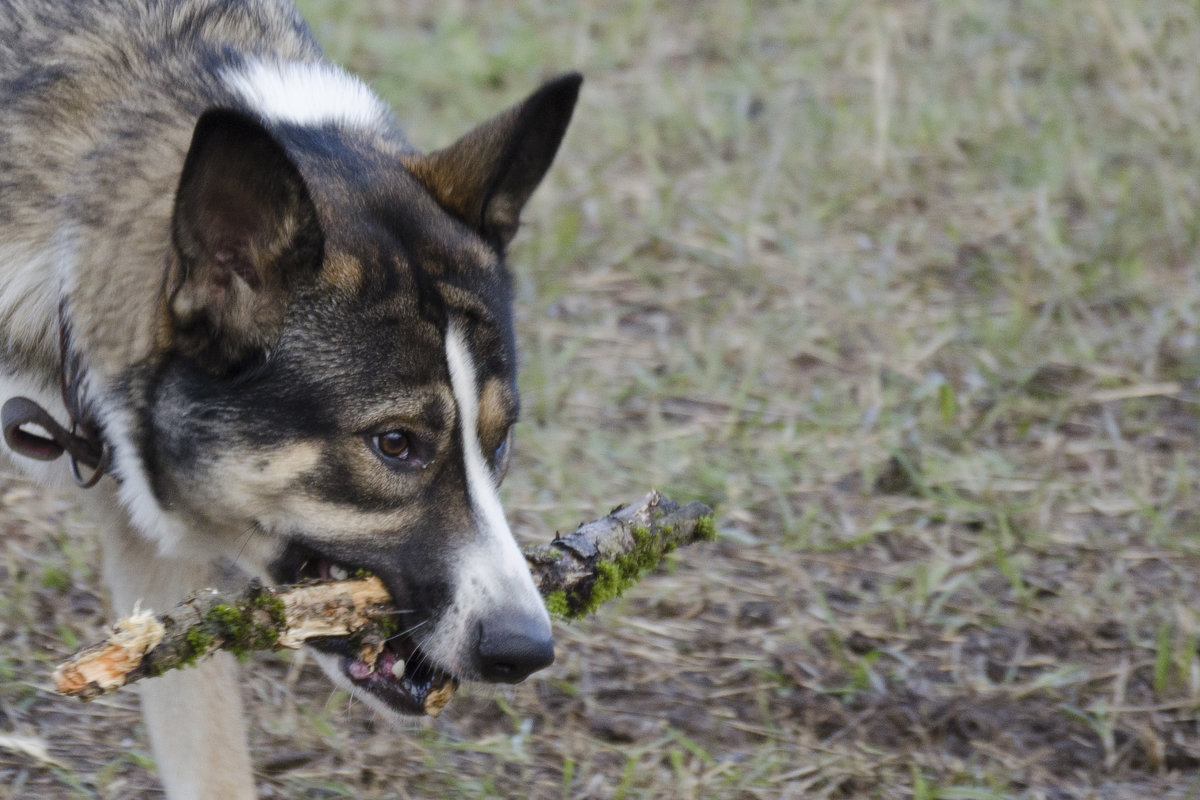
(82, 442)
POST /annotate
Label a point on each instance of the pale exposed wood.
(104, 667)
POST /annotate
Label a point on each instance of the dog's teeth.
(398, 669)
(338, 573)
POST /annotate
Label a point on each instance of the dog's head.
(337, 386)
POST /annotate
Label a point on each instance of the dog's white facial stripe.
(466, 395)
(497, 564)
(307, 94)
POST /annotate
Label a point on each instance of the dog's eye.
(501, 453)
(393, 445)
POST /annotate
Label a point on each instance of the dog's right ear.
(486, 177)
(245, 232)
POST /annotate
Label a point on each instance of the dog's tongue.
(360, 671)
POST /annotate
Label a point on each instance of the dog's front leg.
(194, 716)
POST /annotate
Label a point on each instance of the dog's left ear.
(246, 235)
(486, 177)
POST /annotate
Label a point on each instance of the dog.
(270, 335)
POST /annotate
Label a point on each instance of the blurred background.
(908, 291)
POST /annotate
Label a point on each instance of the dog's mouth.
(396, 671)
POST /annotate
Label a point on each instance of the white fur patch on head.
(307, 93)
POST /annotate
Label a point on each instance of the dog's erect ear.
(245, 233)
(486, 177)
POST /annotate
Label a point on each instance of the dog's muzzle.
(506, 645)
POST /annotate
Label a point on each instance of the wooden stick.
(575, 574)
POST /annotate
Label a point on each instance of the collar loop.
(82, 442)
(87, 450)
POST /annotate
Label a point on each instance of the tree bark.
(575, 574)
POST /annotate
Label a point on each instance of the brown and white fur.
(291, 329)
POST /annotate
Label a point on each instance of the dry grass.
(908, 290)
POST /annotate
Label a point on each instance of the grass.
(909, 291)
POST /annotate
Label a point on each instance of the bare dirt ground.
(909, 291)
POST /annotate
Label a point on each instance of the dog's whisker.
(423, 659)
(407, 632)
(245, 539)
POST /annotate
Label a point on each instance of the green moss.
(237, 626)
(265, 638)
(706, 528)
(389, 626)
(615, 576)
(273, 606)
(611, 583)
(228, 619)
(648, 550)
(198, 641)
(557, 605)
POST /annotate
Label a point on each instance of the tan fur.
(458, 175)
(496, 405)
(266, 486)
(253, 480)
(342, 272)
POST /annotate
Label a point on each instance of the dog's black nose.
(513, 647)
